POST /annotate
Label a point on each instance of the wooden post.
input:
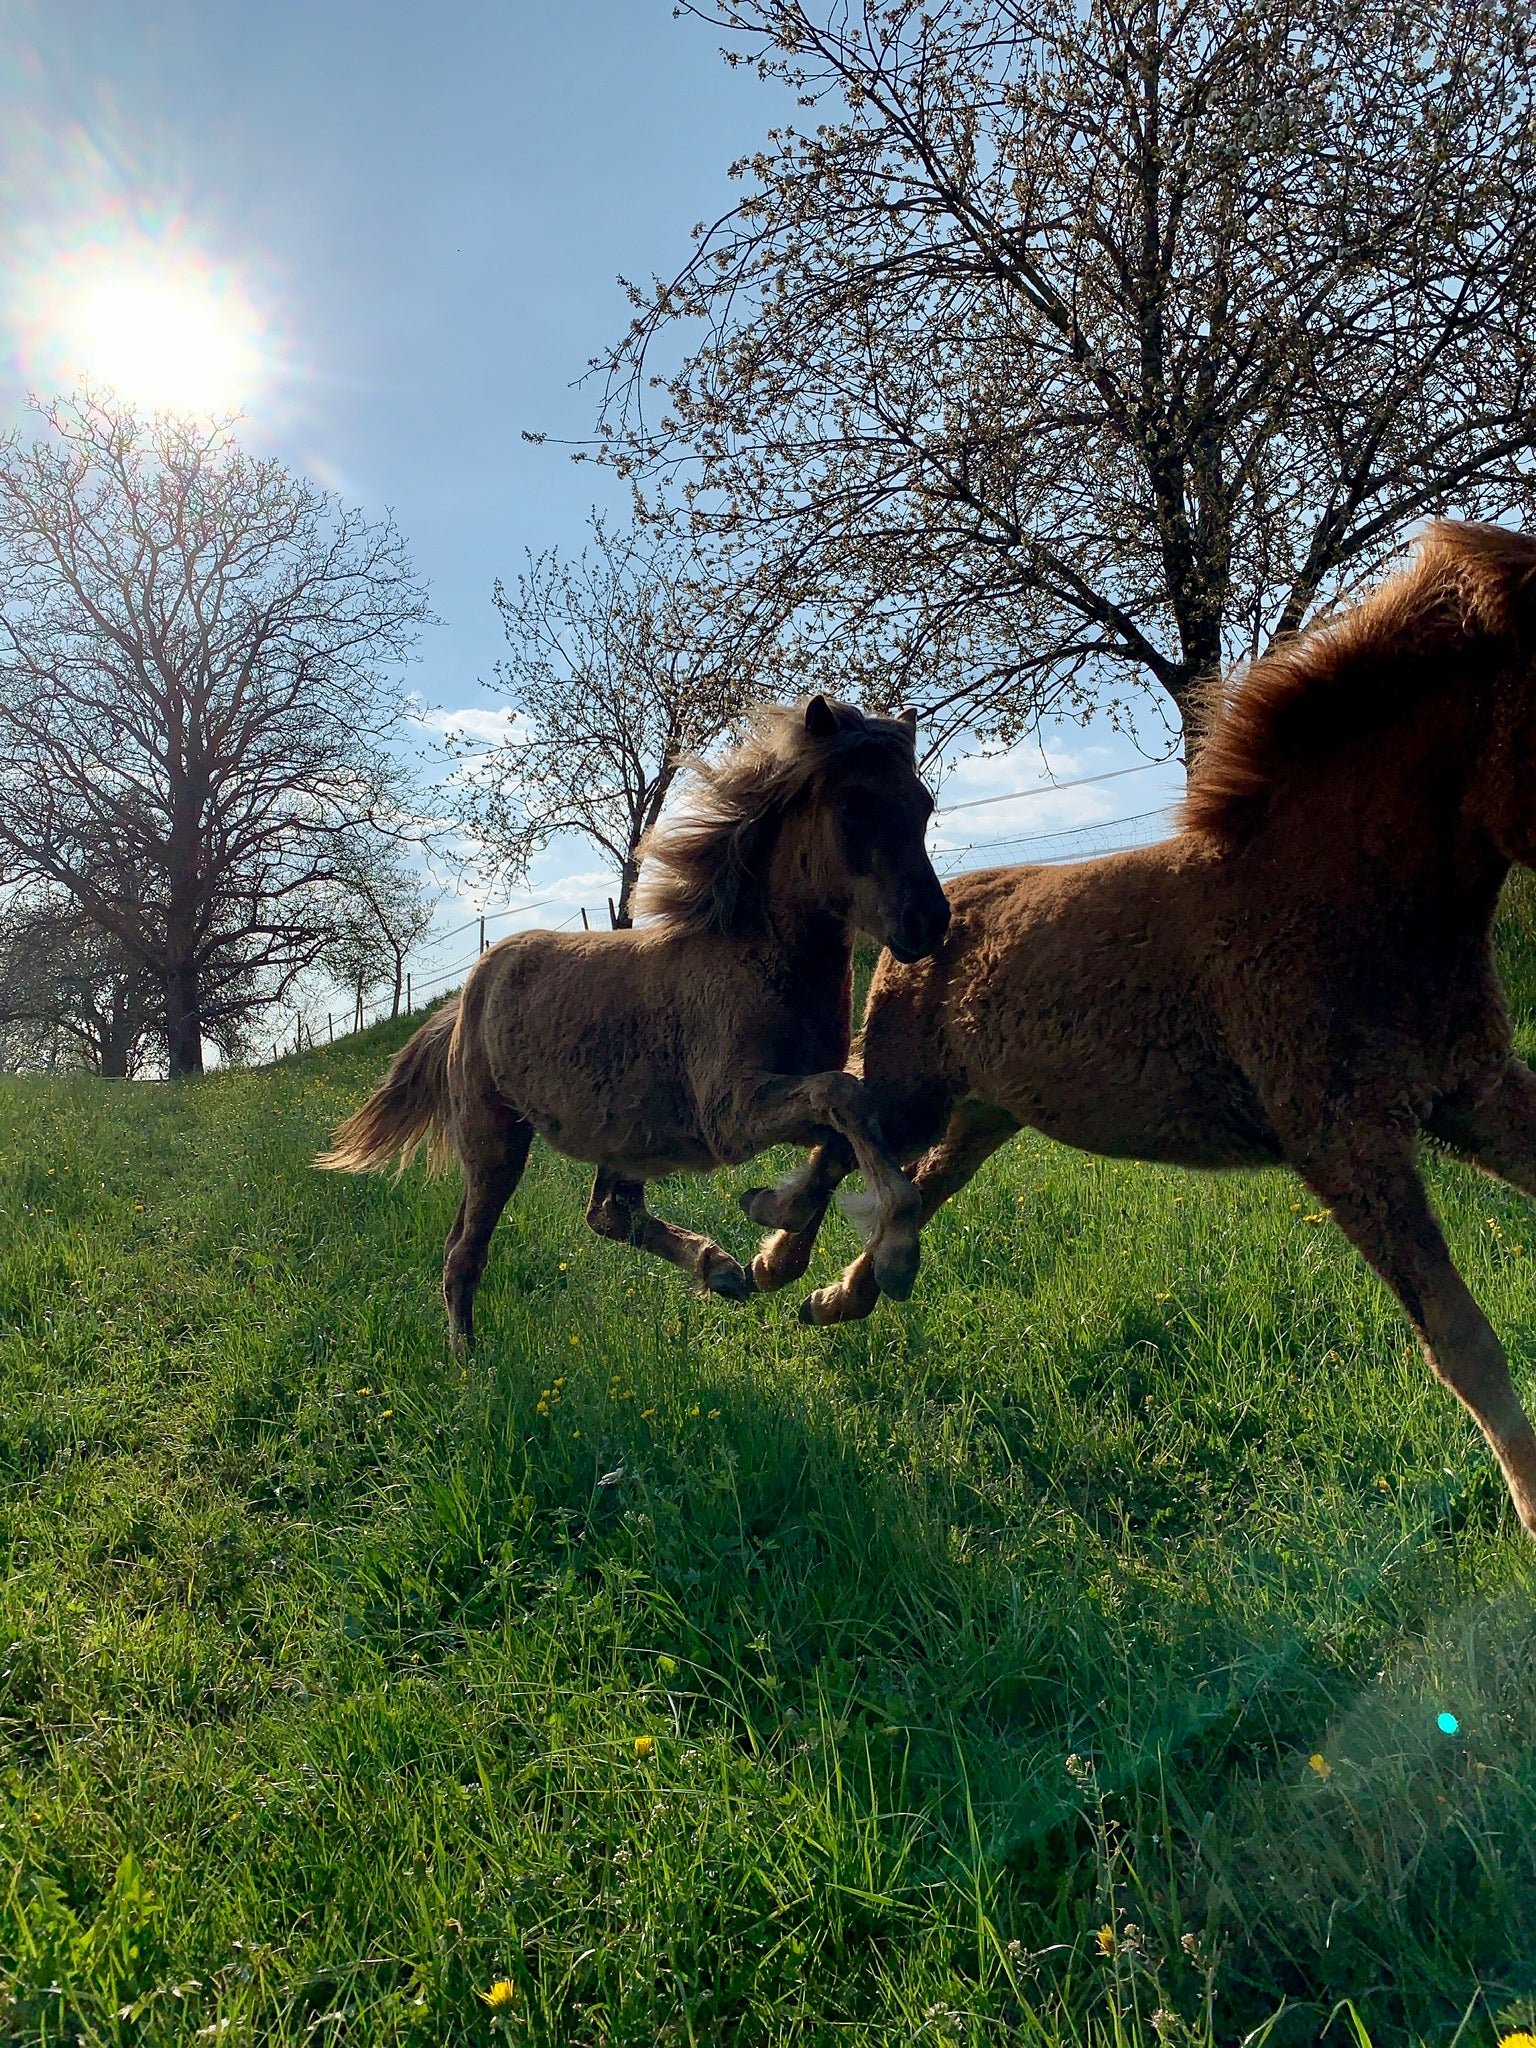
(584, 925)
(482, 934)
(330, 1029)
(613, 915)
(407, 995)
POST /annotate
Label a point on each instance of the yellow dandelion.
(1520, 2040)
(574, 1338)
(714, 1415)
(694, 1409)
(645, 1745)
(502, 1994)
(564, 1267)
(646, 1414)
(1105, 1937)
(1319, 1763)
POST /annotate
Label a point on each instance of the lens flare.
(150, 319)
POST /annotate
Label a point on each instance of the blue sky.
(431, 206)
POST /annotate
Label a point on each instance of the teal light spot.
(1447, 1724)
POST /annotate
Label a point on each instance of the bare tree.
(383, 910)
(623, 663)
(1081, 348)
(71, 997)
(196, 652)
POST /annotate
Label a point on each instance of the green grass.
(714, 1680)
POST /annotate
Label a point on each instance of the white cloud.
(491, 724)
(1042, 801)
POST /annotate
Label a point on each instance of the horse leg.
(617, 1209)
(794, 1210)
(795, 1109)
(493, 1159)
(1495, 1126)
(975, 1131)
(1379, 1202)
(801, 1197)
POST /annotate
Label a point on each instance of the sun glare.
(157, 325)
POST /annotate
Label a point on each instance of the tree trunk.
(394, 1008)
(629, 874)
(183, 1021)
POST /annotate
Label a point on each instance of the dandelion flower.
(1521, 2040)
(1319, 1763)
(645, 1745)
(1105, 1937)
(502, 1994)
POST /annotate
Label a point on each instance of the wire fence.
(420, 989)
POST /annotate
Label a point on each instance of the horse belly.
(1163, 1126)
(1129, 1083)
(606, 1090)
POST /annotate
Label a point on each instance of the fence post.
(330, 1029)
(482, 934)
(613, 915)
(407, 995)
(584, 925)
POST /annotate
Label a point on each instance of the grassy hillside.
(948, 1679)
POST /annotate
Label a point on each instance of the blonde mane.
(704, 866)
(1352, 672)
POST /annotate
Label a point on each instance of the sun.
(157, 325)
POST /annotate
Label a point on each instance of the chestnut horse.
(718, 1028)
(1304, 973)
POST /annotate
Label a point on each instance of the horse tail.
(409, 1108)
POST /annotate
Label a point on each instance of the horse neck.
(802, 920)
(1402, 816)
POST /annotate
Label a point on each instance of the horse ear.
(908, 718)
(820, 719)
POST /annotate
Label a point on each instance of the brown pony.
(718, 1028)
(1303, 974)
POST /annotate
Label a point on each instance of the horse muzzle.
(920, 931)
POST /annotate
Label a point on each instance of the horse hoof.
(728, 1280)
(895, 1269)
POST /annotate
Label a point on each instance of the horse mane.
(1355, 671)
(703, 867)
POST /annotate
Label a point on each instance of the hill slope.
(712, 1679)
